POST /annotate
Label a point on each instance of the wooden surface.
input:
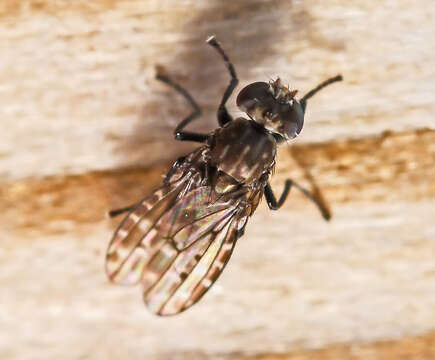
(86, 128)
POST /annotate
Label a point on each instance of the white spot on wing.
(122, 233)
(219, 264)
(134, 217)
(227, 246)
(207, 282)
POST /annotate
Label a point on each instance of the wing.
(189, 273)
(127, 254)
(176, 242)
(134, 242)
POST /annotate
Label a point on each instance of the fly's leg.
(222, 114)
(319, 87)
(275, 205)
(271, 199)
(116, 212)
(179, 134)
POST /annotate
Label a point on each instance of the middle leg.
(179, 134)
(275, 205)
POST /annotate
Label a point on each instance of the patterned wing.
(131, 247)
(176, 243)
(189, 273)
(126, 256)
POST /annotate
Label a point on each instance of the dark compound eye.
(253, 95)
(293, 120)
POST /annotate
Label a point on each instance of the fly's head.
(273, 106)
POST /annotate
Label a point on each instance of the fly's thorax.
(224, 183)
(242, 150)
(273, 106)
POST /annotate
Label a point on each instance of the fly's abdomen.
(242, 150)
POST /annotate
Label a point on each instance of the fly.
(177, 241)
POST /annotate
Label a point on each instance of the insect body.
(177, 241)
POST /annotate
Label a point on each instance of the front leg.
(222, 114)
(275, 205)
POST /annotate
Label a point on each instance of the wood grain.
(392, 167)
(79, 92)
(87, 128)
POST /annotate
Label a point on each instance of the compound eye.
(253, 95)
(293, 120)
